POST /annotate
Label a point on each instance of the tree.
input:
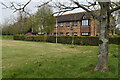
(104, 20)
(44, 19)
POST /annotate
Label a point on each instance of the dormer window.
(85, 23)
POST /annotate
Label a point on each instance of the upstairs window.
(85, 23)
(75, 23)
(67, 34)
(61, 24)
(67, 24)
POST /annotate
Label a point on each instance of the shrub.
(82, 40)
(114, 40)
(19, 37)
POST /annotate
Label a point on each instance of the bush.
(19, 37)
(82, 40)
(114, 40)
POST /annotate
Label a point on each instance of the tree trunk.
(102, 64)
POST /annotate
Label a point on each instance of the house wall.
(92, 28)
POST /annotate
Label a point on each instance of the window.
(85, 34)
(61, 34)
(74, 33)
(61, 24)
(84, 17)
(67, 34)
(84, 22)
(55, 34)
(75, 23)
(67, 24)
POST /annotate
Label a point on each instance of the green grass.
(22, 59)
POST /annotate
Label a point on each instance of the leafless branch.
(116, 4)
(13, 7)
(64, 8)
(4, 4)
(44, 3)
(115, 9)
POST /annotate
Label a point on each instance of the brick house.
(77, 24)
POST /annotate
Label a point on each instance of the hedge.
(81, 40)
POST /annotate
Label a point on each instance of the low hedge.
(82, 40)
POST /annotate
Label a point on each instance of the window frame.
(61, 24)
(67, 32)
(85, 33)
(73, 34)
(85, 22)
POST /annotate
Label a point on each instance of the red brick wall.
(92, 29)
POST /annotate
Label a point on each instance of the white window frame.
(85, 22)
(85, 34)
(67, 34)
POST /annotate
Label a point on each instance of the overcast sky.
(5, 14)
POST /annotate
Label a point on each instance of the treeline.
(42, 21)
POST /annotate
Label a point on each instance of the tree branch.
(45, 3)
(64, 8)
(115, 9)
(13, 7)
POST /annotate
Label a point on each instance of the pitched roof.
(73, 17)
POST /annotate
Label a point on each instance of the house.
(76, 24)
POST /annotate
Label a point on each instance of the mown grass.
(22, 59)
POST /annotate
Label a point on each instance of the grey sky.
(5, 14)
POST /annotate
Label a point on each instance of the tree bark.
(102, 64)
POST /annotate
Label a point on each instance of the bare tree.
(106, 9)
(21, 9)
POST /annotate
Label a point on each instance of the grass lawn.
(22, 59)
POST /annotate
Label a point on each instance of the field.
(22, 59)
